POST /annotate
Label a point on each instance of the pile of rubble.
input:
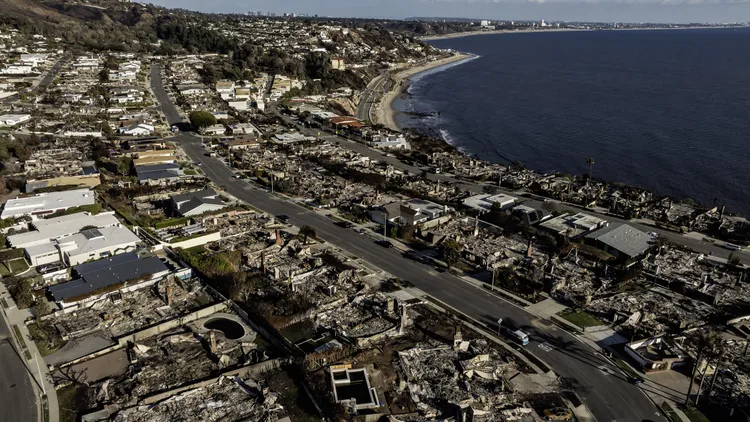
(232, 398)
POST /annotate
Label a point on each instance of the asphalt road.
(17, 396)
(608, 395)
(371, 95)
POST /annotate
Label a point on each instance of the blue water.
(668, 111)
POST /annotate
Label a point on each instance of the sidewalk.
(16, 317)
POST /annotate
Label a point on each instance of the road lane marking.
(545, 346)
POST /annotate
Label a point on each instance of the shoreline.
(385, 114)
(539, 31)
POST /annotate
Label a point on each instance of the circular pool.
(231, 329)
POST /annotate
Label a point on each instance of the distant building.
(41, 204)
(337, 63)
(484, 23)
(13, 119)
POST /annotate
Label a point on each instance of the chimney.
(169, 294)
(278, 237)
(529, 250)
(212, 337)
(391, 305)
(263, 261)
(721, 214)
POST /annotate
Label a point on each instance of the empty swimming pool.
(231, 329)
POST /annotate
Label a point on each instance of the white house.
(140, 129)
(40, 204)
(93, 244)
(15, 69)
(484, 202)
(13, 119)
(389, 141)
(215, 130)
(48, 230)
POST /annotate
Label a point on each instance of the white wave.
(420, 75)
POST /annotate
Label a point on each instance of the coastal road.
(17, 396)
(371, 96)
(607, 393)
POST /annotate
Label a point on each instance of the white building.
(484, 202)
(93, 244)
(389, 141)
(56, 228)
(140, 129)
(33, 59)
(40, 204)
(13, 119)
(15, 69)
(573, 225)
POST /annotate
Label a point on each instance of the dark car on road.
(384, 243)
(344, 224)
(283, 217)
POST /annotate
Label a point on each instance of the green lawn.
(45, 348)
(670, 412)
(695, 415)
(581, 319)
(68, 399)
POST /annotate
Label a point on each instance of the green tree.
(307, 231)
(20, 289)
(489, 190)
(123, 167)
(450, 251)
(201, 119)
(41, 308)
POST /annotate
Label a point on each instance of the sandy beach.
(384, 113)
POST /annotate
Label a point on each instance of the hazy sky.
(581, 10)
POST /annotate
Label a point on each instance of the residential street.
(606, 392)
(17, 396)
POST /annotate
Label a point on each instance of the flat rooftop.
(624, 238)
(47, 203)
(58, 227)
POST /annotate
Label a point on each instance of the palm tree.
(590, 162)
(704, 343)
(307, 231)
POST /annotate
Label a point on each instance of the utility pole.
(271, 182)
(385, 224)
(39, 370)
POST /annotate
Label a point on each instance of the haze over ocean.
(665, 110)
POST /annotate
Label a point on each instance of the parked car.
(283, 217)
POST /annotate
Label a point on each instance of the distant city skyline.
(656, 11)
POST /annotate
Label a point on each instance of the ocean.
(668, 111)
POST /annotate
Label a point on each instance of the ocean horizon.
(660, 110)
